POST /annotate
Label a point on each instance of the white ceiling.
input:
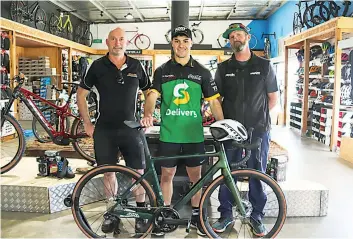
(100, 11)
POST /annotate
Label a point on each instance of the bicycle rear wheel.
(90, 205)
(142, 42)
(197, 36)
(13, 143)
(274, 210)
(40, 19)
(53, 119)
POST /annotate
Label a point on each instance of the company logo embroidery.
(195, 77)
(168, 76)
(255, 73)
(231, 74)
(132, 75)
(184, 97)
(178, 29)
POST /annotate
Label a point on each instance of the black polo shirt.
(117, 89)
(245, 89)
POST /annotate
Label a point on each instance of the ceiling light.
(129, 16)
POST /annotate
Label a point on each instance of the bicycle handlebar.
(196, 24)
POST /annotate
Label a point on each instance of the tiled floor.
(309, 160)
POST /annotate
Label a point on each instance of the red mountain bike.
(13, 142)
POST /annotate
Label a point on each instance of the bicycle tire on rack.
(81, 220)
(39, 9)
(56, 124)
(22, 144)
(245, 173)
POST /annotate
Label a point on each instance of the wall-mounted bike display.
(21, 12)
(267, 44)
(197, 34)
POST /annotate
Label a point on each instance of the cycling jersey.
(182, 89)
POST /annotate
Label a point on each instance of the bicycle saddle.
(132, 124)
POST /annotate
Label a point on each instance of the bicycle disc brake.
(166, 213)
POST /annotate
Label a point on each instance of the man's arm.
(272, 100)
(82, 104)
(216, 109)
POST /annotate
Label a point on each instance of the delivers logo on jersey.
(182, 96)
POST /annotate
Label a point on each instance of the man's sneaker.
(258, 228)
(195, 223)
(157, 232)
(222, 224)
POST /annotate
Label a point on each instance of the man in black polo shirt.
(248, 88)
(117, 78)
(181, 82)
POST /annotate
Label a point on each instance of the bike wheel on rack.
(222, 42)
(84, 146)
(142, 42)
(87, 38)
(16, 11)
(13, 143)
(40, 19)
(253, 41)
(197, 36)
(51, 116)
(275, 208)
(90, 205)
(53, 25)
(168, 35)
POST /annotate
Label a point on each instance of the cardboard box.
(346, 149)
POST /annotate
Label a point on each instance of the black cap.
(181, 30)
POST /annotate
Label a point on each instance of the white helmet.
(228, 129)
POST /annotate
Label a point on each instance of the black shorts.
(172, 149)
(108, 142)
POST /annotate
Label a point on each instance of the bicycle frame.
(36, 4)
(25, 96)
(136, 35)
(68, 21)
(221, 164)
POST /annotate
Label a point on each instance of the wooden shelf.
(31, 37)
(332, 29)
(323, 31)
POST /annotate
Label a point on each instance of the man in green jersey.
(181, 82)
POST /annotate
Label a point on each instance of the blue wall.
(281, 21)
(257, 27)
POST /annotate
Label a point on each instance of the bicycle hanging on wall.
(140, 40)
(197, 34)
(267, 44)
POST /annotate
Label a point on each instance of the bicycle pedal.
(187, 229)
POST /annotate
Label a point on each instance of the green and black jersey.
(182, 89)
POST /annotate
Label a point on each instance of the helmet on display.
(344, 57)
(228, 129)
(315, 51)
(325, 46)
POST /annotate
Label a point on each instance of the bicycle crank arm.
(179, 222)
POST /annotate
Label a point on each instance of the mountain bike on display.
(21, 11)
(13, 141)
(90, 197)
(197, 34)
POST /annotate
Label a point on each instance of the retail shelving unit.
(330, 30)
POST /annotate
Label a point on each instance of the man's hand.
(89, 128)
(147, 121)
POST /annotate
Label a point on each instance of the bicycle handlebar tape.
(248, 147)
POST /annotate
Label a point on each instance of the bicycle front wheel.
(40, 19)
(270, 205)
(197, 36)
(13, 143)
(90, 206)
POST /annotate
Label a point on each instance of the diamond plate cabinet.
(29, 193)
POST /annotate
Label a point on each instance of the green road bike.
(90, 207)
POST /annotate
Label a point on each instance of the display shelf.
(330, 30)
